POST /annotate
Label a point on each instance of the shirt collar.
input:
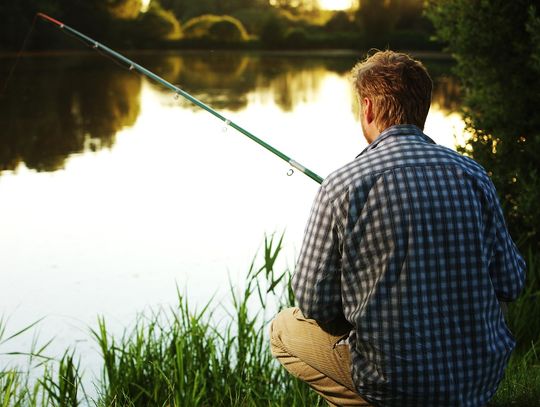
(400, 130)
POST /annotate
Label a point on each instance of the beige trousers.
(314, 356)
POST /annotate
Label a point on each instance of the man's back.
(408, 243)
(407, 253)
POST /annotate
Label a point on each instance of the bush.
(177, 356)
(296, 37)
(340, 21)
(158, 24)
(497, 48)
(216, 28)
(273, 32)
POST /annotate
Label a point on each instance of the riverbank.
(317, 53)
(185, 357)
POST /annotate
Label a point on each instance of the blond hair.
(398, 86)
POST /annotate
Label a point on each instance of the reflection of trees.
(446, 93)
(291, 81)
(446, 87)
(56, 107)
(224, 80)
(221, 80)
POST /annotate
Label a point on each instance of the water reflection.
(446, 94)
(57, 106)
(225, 80)
(168, 198)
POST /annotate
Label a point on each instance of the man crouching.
(405, 262)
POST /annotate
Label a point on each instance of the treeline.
(221, 23)
(501, 82)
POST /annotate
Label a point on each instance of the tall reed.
(59, 383)
(184, 357)
(521, 383)
(219, 355)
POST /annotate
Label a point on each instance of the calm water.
(112, 192)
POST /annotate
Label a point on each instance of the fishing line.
(19, 54)
(133, 66)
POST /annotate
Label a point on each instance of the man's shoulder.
(366, 168)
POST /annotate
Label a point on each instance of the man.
(405, 261)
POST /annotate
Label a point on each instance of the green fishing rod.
(149, 74)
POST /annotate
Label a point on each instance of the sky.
(335, 4)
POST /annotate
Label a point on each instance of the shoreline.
(316, 53)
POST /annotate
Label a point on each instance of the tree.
(124, 9)
(93, 17)
(78, 106)
(296, 5)
(496, 44)
(185, 10)
(340, 21)
(376, 18)
(216, 28)
(159, 24)
(17, 19)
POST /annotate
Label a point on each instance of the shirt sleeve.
(317, 278)
(506, 267)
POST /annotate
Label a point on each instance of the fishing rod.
(149, 74)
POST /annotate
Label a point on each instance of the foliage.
(182, 357)
(105, 18)
(296, 6)
(272, 25)
(216, 28)
(527, 308)
(62, 387)
(122, 23)
(340, 21)
(496, 44)
(252, 18)
(273, 32)
(17, 19)
(159, 24)
(124, 9)
(297, 36)
(186, 357)
(521, 383)
(44, 121)
(185, 10)
(376, 18)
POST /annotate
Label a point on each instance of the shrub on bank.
(159, 24)
(215, 28)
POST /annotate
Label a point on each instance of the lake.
(113, 193)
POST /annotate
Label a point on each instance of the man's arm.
(506, 267)
(317, 279)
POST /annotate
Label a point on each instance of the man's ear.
(367, 110)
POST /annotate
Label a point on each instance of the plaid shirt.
(409, 245)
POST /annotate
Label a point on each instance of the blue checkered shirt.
(408, 243)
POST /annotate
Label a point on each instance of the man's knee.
(280, 329)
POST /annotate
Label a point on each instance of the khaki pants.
(314, 356)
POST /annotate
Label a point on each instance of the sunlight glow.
(335, 4)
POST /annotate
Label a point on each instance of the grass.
(521, 384)
(179, 357)
(187, 357)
